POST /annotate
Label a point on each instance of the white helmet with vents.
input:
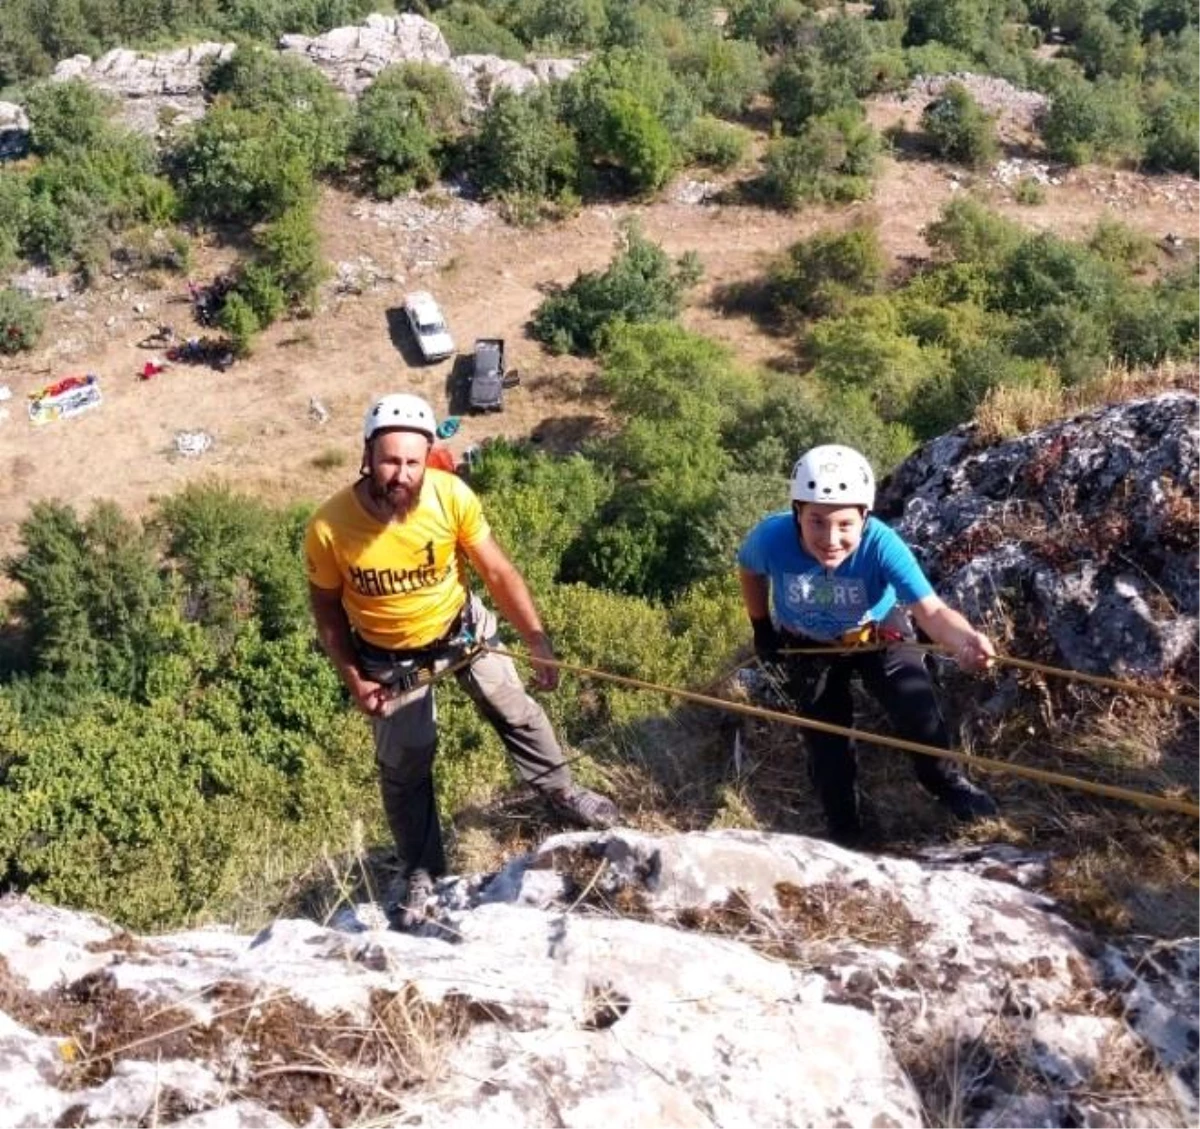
(400, 411)
(835, 475)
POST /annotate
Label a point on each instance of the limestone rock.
(151, 88)
(1084, 531)
(723, 978)
(352, 56)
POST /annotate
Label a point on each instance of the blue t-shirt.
(811, 600)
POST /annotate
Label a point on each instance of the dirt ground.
(489, 278)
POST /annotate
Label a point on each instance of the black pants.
(899, 680)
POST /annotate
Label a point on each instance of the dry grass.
(262, 1045)
(1008, 411)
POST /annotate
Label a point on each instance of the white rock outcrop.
(722, 978)
(151, 88)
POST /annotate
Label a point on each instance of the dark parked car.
(486, 393)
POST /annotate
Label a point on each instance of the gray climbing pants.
(406, 741)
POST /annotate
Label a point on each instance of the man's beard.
(400, 499)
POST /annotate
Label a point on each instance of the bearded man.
(390, 594)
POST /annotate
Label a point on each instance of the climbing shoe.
(584, 807)
(416, 900)
(966, 801)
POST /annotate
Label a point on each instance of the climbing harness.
(401, 672)
(1110, 791)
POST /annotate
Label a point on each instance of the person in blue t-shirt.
(832, 573)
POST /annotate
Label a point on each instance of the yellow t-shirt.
(402, 583)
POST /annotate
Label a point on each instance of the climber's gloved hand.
(766, 639)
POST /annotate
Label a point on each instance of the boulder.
(351, 57)
(1082, 534)
(717, 978)
(152, 89)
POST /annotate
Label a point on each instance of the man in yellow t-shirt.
(388, 587)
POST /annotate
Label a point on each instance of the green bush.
(472, 30)
(1121, 245)
(805, 86)
(967, 232)
(958, 129)
(1029, 191)
(66, 117)
(641, 284)
(633, 140)
(290, 248)
(719, 144)
(1173, 133)
(832, 160)
(395, 136)
(237, 165)
(816, 276)
(965, 25)
(1093, 121)
(726, 73)
(299, 100)
(90, 590)
(240, 323)
(20, 321)
(523, 149)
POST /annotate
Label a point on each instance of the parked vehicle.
(486, 392)
(428, 325)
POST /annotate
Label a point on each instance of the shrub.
(631, 138)
(237, 165)
(641, 284)
(1093, 121)
(522, 148)
(805, 86)
(394, 135)
(291, 250)
(958, 129)
(66, 116)
(833, 159)
(299, 100)
(1173, 133)
(726, 73)
(967, 232)
(1044, 271)
(1121, 245)
(20, 321)
(1029, 191)
(815, 276)
(240, 322)
(719, 144)
(471, 30)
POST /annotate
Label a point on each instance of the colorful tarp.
(65, 398)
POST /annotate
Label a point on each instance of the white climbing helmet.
(400, 410)
(833, 474)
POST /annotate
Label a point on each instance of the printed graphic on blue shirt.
(825, 604)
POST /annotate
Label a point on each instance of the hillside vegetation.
(172, 744)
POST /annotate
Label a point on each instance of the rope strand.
(1110, 791)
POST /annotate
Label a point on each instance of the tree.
(66, 117)
(641, 284)
(958, 129)
(404, 119)
(832, 159)
(523, 149)
(21, 321)
(1093, 121)
(816, 276)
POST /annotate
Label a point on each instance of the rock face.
(151, 88)
(14, 131)
(352, 56)
(722, 978)
(1083, 534)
